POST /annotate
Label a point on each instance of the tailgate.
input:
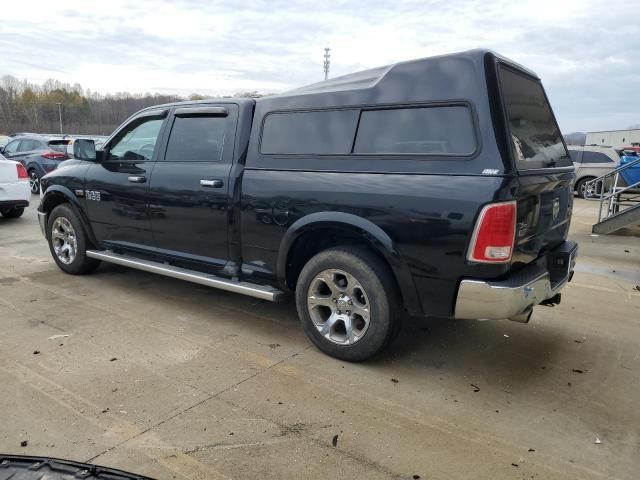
(545, 203)
(545, 171)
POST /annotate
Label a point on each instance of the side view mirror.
(85, 149)
(1, 149)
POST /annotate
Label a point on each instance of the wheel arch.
(318, 231)
(57, 195)
(586, 176)
(31, 164)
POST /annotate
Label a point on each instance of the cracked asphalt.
(174, 380)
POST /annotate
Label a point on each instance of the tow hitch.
(553, 301)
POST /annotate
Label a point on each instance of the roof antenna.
(327, 62)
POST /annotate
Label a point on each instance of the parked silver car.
(591, 162)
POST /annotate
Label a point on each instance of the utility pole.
(60, 115)
(327, 62)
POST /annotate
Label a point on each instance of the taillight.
(22, 172)
(54, 156)
(494, 234)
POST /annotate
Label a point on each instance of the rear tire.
(14, 212)
(348, 304)
(34, 182)
(68, 242)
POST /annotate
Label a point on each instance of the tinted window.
(59, 146)
(430, 130)
(12, 147)
(28, 145)
(322, 133)
(137, 142)
(576, 155)
(595, 157)
(196, 138)
(535, 135)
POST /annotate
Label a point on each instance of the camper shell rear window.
(536, 140)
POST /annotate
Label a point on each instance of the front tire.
(347, 302)
(14, 212)
(68, 241)
(581, 186)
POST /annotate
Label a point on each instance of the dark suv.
(435, 187)
(39, 154)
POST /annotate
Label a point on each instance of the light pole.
(327, 62)
(60, 115)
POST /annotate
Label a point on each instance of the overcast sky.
(586, 52)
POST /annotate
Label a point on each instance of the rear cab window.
(536, 140)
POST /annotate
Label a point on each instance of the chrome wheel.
(34, 182)
(584, 191)
(63, 240)
(339, 307)
(589, 189)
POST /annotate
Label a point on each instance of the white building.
(614, 138)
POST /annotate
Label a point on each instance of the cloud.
(585, 51)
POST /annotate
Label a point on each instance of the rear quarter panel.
(39, 164)
(428, 217)
(11, 188)
(593, 170)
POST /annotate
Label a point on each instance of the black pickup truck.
(435, 187)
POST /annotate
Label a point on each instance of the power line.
(60, 115)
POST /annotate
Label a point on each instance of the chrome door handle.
(217, 183)
(137, 179)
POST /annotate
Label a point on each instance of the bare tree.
(29, 107)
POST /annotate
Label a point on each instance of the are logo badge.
(556, 207)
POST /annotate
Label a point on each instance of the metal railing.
(605, 189)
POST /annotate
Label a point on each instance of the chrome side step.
(262, 292)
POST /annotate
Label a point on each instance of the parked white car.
(591, 162)
(14, 188)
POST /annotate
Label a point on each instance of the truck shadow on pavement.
(501, 351)
(506, 352)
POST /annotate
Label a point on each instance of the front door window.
(12, 147)
(137, 142)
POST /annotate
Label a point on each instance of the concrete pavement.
(174, 380)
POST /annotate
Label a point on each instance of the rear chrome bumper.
(515, 296)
